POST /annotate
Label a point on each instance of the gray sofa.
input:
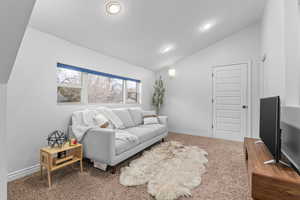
(100, 144)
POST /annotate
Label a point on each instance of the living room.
(102, 61)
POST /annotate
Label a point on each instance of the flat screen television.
(269, 128)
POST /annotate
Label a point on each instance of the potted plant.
(158, 95)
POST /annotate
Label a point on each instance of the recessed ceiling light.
(207, 26)
(167, 48)
(113, 7)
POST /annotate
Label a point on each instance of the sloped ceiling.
(144, 27)
(14, 17)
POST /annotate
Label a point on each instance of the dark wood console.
(272, 181)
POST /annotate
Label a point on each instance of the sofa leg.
(113, 169)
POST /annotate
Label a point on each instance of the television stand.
(274, 162)
(269, 182)
(270, 162)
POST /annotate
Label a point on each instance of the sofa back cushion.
(112, 117)
(125, 117)
(136, 115)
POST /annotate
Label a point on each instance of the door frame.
(249, 89)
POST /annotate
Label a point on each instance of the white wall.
(188, 96)
(14, 16)
(3, 172)
(299, 25)
(280, 44)
(273, 47)
(292, 52)
(32, 109)
(299, 43)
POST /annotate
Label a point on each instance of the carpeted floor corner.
(225, 179)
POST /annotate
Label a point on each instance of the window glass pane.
(132, 92)
(68, 95)
(67, 76)
(104, 90)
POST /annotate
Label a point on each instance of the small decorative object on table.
(57, 139)
(73, 142)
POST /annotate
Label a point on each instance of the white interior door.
(230, 101)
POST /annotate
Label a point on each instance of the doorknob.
(245, 107)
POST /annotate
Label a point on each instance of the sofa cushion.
(124, 145)
(147, 132)
(111, 116)
(125, 117)
(136, 114)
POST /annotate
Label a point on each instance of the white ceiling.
(144, 27)
(14, 17)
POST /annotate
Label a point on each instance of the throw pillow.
(136, 115)
(151, 120)
(148, 113)
(106, 125)
(101, 121)
(124, 116)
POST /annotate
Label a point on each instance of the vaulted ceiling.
(14, 17)
(146, 28)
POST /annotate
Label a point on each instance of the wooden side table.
(49, 160)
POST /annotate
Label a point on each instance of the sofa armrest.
(163, 120)
(99, 145)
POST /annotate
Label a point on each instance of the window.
(104, 90)
(78, 85)
(69, 87)
(132, 89)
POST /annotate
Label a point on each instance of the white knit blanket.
(83, 121)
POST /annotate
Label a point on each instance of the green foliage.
(159, 93)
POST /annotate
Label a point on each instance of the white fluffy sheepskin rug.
(170, 169)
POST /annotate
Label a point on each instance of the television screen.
(270, 125)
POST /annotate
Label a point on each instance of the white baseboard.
(23, 172)
(206, 134)
(194, 133)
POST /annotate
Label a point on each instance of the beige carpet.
(225, 178)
